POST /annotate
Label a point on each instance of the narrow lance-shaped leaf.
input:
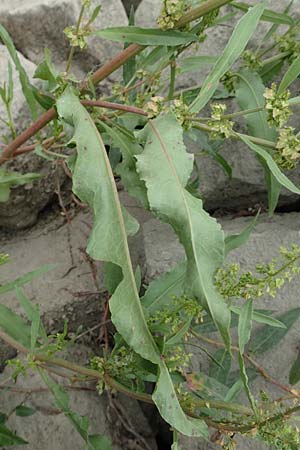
(8, 438)
(236, 240)
(146, 36)
(249, 94)
(93, 183)
(25, 83)
(292, 73)
(268, 15)
(165, 166)
(236, 45)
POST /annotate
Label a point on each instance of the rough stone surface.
(49, 428)
(73, 290)
(34, 25)
(162, 251)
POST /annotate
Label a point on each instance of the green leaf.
(236, 45)
(46, 71)
(221, 370)
(237, 240)
(294, 375)
(18, 282)
(292, 73)
(249, 94)
(127, 168)
(80, 423)
(10, 178)
(245, 380)
(268, 15)
(160, 291)
(196, 63)
(261, 318)
(26, 85)
(245, 324)
(108, 242)
(33, 315)
(15, 326)
(165, 166)
(278, 175)
(24, 411)
(266, 338)
(9, 438)
(129, 68)
(146, 36)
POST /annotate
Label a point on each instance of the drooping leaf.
(236, 45)
(9, 179)
(291, 74)
(15, 326)
(294, 375)
(46, 71)
(8, 438)
(165, 166)
(108, 242)
(237, 240)
(268, 15)
(266, 338)
(146, 36)
(24, 279)
(24, 80)
(127, 168)
(274, 169)
(249, 94)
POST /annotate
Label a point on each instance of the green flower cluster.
(182, 113)
(177, 359)
(155, 106)
(229, 80)
(251, 60)
(77, 38)
(268, 278)
(171, 12)
(279, 434)
(288, 148)
(277, 106)
(289, 42)
(222, 127)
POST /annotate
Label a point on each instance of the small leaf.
(15, 326)
(261, 318)
(237, 240)
(292, 73)
(46, 71)
(266, 338)
(236, 45)
(268, 15)
(245, 324)
(9, 438)
(294, 375)
(26, 85)
(245, 380)
(278, 175)
(24, 411)
(18, 282)
(146, 36)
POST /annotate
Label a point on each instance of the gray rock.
(163, 251)
(49, 428)
(34, 25)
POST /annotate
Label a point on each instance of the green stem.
(71, 54)
(255, 140)
(200, 11)
(172, 78)
(275, 58)
(11, 121)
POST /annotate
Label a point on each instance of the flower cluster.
(222, 127)
(229, 80)
(289, 42)
(171, 12)
(279, 434)
(3, 258)
(76, 37)
(251, 60)
(268, 278)
(277, 106)
(288, 148)
(155, 106)
(177, 359)
(182, 113)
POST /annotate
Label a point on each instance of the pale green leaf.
(94, 184)
(15, 326)
(165, 166)
(236, 45)
(146, 36)
(9, 438)
(24, 411)
(24, 279)
(245, 324)
(237, 240)
(268, 15)
(278, 175)
(196, 63)
(221, 370)
(261, 318)
(292, 73)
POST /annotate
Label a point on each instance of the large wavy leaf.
(165, 166)
(93, 183)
